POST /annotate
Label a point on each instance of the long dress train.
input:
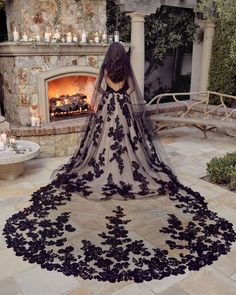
(173, 230)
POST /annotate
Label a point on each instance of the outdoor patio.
(188, 153)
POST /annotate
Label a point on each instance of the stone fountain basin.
(12, 164)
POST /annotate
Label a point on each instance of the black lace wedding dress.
(172, 230)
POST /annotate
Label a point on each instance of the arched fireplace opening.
(69, 96)
(66, 93)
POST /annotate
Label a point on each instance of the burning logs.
(68, 106)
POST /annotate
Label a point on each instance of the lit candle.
(116, 36)
(104, 37)
(33, 121)
(2, 146)
(38, 38)
(83, 37)
(3, 138)
(25, 38)
(69, 37)
(12, 141)
(38, 122)
(96, 38)
(75, 39)
(57, 35)
(47, 36)
(15, 36)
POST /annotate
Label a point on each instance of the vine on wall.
(84, 10)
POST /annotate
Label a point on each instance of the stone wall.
(56, 139)
(33, 16)
(20, 78)
(60, 145)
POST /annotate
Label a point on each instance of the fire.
(71, 85)
(58, 103)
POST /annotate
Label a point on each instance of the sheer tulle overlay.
(171, 231)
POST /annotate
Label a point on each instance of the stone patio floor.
(188, 153)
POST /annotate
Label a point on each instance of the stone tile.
(11, 265)
(9, 287)
(78, 291)
(158, 286)
(226, 212)
(233, 277)
(137, 289)
(37, 176)
(16, 274)
(226, 263)
(41, 282)
(174, 291)
(98, 288)
(208, 281)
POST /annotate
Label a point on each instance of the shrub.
(222, 77)
(221, 170)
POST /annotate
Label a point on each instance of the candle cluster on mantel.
(54, 36)
(35, 121)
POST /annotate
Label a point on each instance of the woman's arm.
(131, 86)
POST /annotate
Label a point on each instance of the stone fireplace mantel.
(27, 67)
(43, 49)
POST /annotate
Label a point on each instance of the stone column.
(196, 60)
(209, 30)
(138, 47)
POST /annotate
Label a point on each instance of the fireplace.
(70, 96)
(65, 93)
(34, 72)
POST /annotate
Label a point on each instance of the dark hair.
(117, 63)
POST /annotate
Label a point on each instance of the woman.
(171, 231)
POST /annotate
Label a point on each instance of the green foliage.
(223, 11)
(168, 28)
(165, 30)
(220, 9)
(222, 170)
(117, 21)
(222, 75)
(2, 4)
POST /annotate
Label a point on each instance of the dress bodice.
(123, 89)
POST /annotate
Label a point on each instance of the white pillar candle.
(83, 37)
(75, 39)
(38, 122)
(25, 38)
(12, 141)
(104, 37)
(2, 146)
(16, 36)
(69, 37)
(96, 38)
(38, 38)
(47, 36)
(57, 35)
(3, 137)
(116, 36)
(33, 121)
